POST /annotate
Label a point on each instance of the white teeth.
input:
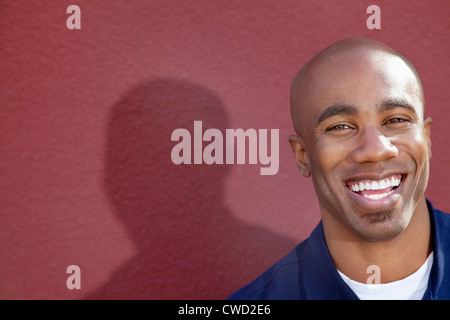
(395, 182)
(375, 185)
(388, 184)
(361, 186)
(378, 196)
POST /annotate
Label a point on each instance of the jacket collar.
(440, 272)
(320, 279)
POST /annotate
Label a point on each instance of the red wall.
(86, 118)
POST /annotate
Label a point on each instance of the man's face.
(365, 142)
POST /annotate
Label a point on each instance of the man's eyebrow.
(392, 104)
(335, 110)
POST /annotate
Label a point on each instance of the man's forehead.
(357, 77)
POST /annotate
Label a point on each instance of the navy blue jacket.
(308, 271)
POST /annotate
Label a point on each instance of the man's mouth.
(375, 189)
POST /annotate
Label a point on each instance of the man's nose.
(373, 146)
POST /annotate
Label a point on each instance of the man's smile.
(375, 189)
(375, 194)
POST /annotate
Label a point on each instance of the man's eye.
(339, 127)
(395, 120)
(398, 121)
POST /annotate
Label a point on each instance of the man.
(358, 113)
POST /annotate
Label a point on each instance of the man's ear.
(300, 155)
(427, 130)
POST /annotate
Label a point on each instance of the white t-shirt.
(412, 287)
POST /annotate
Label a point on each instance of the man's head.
(358, 111)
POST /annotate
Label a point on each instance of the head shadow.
(189, 245)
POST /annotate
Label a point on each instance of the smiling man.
(361, 135)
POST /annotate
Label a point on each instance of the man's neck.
(396, 258)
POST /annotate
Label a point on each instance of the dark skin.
(358, 112)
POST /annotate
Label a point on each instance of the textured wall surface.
(86, 118)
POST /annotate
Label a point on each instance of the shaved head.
(357, 55)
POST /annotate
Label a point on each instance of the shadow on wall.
(189, 245)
